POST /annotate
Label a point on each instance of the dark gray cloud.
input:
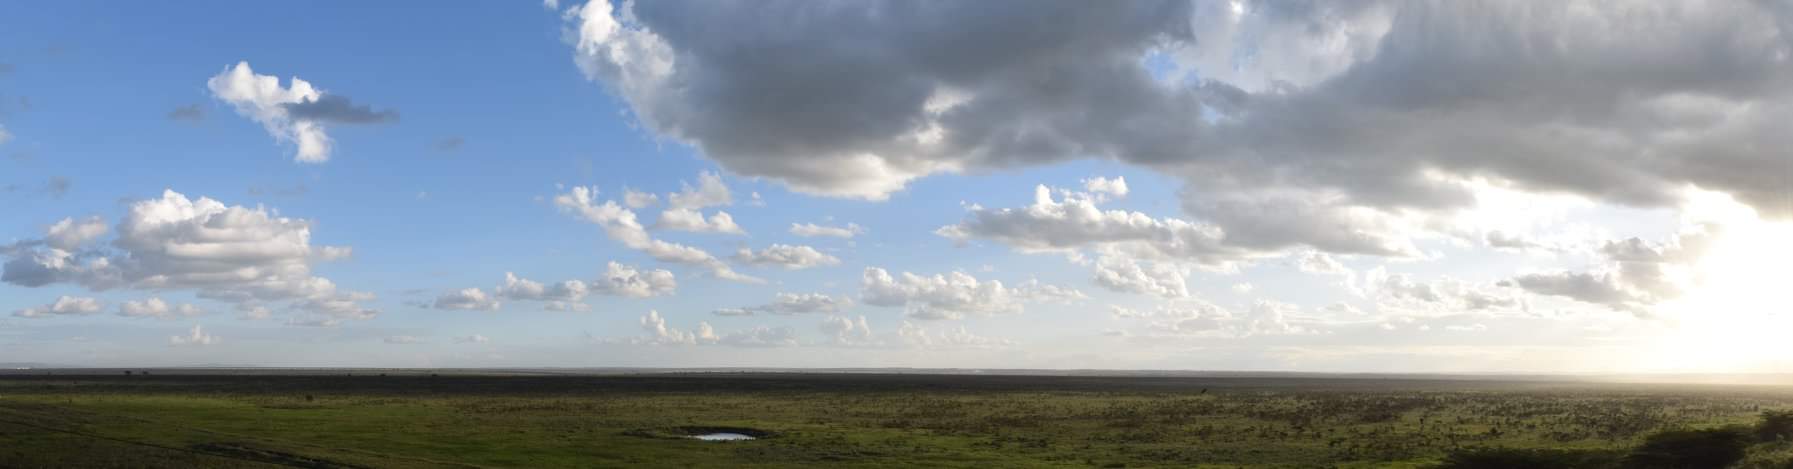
(1280, 221)
(1547, 96)
(1293, 123)
(831, 98)
(337, 109)
(1636, 277)
(1504, 240)
(1588, 287)
(28, 272)
(190, 112)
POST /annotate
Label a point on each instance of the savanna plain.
(412, 418)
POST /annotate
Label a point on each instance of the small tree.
(1775, 425)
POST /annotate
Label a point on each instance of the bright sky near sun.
(1581, 186)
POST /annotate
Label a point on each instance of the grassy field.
(831, 420)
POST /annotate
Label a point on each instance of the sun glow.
(1737, 314)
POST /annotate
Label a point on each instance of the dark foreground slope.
(361, 418)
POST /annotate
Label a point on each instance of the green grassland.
(827, 420)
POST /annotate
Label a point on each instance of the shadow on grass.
(251, 453)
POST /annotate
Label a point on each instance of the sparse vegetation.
(1531, 458)
(426, 420)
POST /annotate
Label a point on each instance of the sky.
(1358, 186)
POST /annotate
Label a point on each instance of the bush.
(1777, 455)
(1775, 425)
(1508, 458)
(1690, 449)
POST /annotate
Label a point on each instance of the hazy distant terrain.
(559, 418)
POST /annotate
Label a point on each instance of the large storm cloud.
(1287, 120)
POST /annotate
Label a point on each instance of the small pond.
(722, 436)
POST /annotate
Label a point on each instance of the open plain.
(412, 418)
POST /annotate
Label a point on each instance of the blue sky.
(1367, 246)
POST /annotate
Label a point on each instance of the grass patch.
(839, 420)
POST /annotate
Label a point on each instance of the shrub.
(1508, 458)
(1776, 455)
(1775, 425)
(1690, 449)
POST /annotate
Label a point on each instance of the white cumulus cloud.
(952, 295)
(294, 113)
(793, 303)
(467, 299)
(620, 224)
(786, 256)
(194, 337)
(63, 306)
(809, 230)
(683, 219)
(222, 252)
(157, 308)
